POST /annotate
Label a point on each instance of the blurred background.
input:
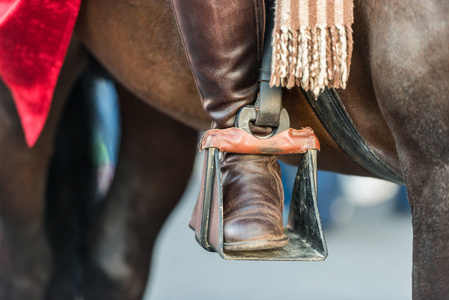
(369, 239)
(367, 226)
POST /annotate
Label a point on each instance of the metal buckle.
(249, 113)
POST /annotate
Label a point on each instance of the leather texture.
(223, 42)
(236, 140)
(253, 200)
(269, 104)
(333, 115)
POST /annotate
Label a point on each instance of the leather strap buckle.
(249, 114)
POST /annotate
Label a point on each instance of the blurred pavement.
(369, 258)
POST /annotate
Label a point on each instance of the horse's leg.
(25, 258)
(410, 65)
(71, 189)
(155, 163)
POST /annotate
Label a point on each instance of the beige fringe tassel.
(312, 44)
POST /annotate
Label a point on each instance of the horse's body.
(396, 97)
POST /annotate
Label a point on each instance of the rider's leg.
(223, 43)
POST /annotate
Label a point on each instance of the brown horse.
(396, 97)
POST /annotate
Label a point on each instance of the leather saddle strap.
(236, 140)
(269, 102)
(332, 114)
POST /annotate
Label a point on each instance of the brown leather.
(236, 140)
(254, 200)
(223, 41)
(253, 204)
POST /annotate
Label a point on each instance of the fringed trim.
(312, 58)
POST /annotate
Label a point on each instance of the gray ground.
(369, 258)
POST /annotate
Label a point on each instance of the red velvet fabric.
(34, 37)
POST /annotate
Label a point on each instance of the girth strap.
(332, 114)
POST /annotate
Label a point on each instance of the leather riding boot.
(223, 41)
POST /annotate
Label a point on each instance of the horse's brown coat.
(396, 97)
